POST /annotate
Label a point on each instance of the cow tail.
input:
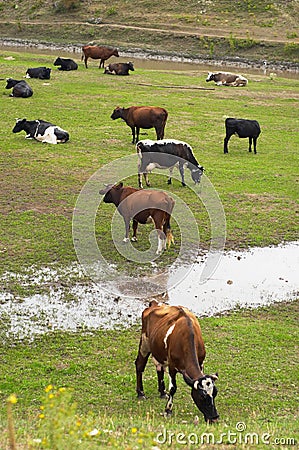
(82, 56)
(169, 235)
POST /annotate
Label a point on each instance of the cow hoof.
(141, 397)
(126, 239)
(134, 239)
(168, 181)
(164, 396)
(184, 184)
(168, 413)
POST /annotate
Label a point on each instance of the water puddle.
(257, 277)
(69, 302)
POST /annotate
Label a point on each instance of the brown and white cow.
(98, 52)
(173, 336)
(227, 79)
(143, 206)
(137, 117)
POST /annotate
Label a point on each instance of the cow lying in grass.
(41, 131)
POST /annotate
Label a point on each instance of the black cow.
(41, 131)
(43, 73)
(244, 129)
(20, 88)
(166, 154)
(66, 64)
(119, 68)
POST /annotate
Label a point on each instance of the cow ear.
(119, 185)
(214, 376)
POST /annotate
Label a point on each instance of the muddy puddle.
(257, 277)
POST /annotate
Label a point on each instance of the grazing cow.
(41, 131)
(142, 206)
(119, 68)
(166, 154)
(173, 336)
(137, 117)
(66, 64)
(227, 79)
(244, 129)
(20, 88)
(98, 52)
(43, 73)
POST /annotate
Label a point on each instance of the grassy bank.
(255, 353)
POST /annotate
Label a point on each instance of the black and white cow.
(20, 88)
(41, 131)
(43, 73)
(119, 68)
(66, 64)
(227, 79)
(244, 128)
(166, 154)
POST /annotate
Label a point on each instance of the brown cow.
(173, 336)
(137, 117)
(142, 206)
(98, 52)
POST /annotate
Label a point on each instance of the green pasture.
(40, 182)
(255, 352)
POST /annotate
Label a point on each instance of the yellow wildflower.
(12, 399)
(134, 430)
(49, 388)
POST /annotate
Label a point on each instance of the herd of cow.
(171, 334)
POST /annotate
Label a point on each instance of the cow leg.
(85, 61)
(160, 375)
(172, 391)
(140, 363)
(127, 229)
(250, 143)
(133, 134)
(181, 169)
(146, 179)
(170, 175)
(101, 63)
(137, 134)
(135, 226)
(226, 139)
(254, 144)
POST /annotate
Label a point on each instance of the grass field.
(254, 351)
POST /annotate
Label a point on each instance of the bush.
(66, 5)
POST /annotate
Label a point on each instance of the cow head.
(58, 62)
(203, 394)
(210, 77)
(130, 66)
(111, 193)
(19, 126)
(115, 52)
(10, 83)
(117, 113)
(196, 174)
